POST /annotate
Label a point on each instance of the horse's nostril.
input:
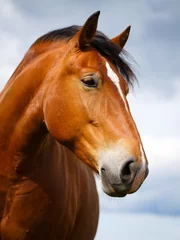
(103, 169)
(128, 171)
(147, 172)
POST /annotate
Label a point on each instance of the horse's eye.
(90, 82)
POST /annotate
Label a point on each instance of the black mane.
(101, 43)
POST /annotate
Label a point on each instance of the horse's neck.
(20, 127)
(34, 52)
(19, 111)
(21, 104)
(21, 117)
(21, 100)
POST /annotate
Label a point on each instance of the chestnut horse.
(63, 115)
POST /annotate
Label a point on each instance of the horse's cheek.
(58, 120)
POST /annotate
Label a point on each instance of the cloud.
(137, 226)
(164, 8)
(10, 56)
(160, 44)
(156, 114)
(7, 9)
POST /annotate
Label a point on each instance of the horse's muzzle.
(119, 183)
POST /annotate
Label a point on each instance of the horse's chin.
(115, 194)
(111, 191)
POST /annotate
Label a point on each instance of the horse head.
(85, 108)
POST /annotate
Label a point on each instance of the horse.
(64, 117)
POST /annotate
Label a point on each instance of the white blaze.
(114, 78)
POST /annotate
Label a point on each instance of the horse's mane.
(101, 43)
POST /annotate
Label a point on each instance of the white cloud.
(10, 56)
(163, 154)
(137, 226)
(9, 11)
(156, 114)
(7, 8)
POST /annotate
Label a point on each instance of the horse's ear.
(122, 38)
(88, 30)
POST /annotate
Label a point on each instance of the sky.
(154, 211)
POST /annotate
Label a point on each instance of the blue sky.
(154, 43)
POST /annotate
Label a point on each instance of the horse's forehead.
(91, 59)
